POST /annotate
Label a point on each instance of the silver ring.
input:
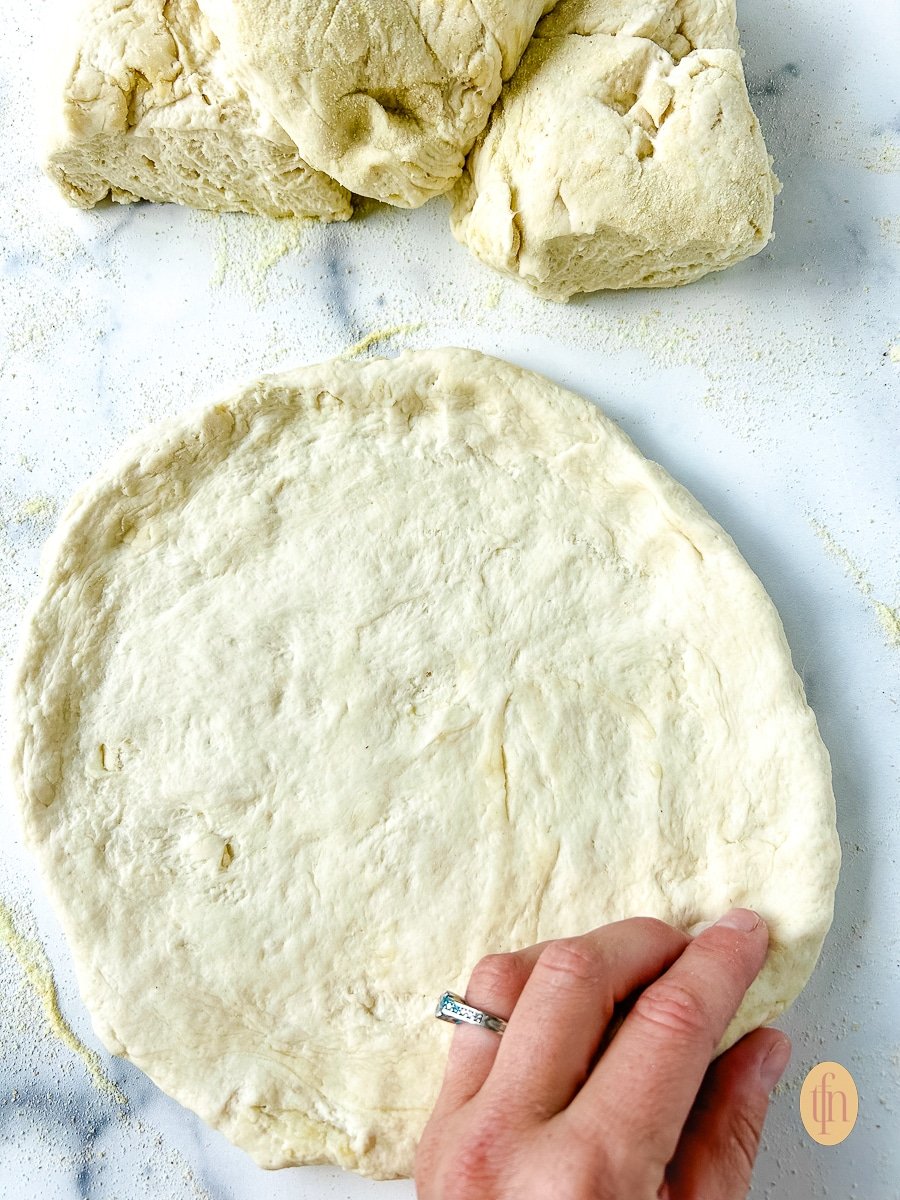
(454, 1009)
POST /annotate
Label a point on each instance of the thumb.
(717, 1150)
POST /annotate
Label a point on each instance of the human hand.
(537, 1115)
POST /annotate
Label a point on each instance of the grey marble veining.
(770, 391)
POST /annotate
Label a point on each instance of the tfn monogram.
(823, 1101)
(829, 1103)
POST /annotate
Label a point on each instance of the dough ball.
(386, 96)
(623, 153)
(150, 111)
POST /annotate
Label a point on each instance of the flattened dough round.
(377, 668)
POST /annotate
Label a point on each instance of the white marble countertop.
(770, 391)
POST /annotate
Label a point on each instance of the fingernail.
(745, 920)
(773, 1065)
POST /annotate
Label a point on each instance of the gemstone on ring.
(454, 1009)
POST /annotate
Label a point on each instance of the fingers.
(668, 1039)
(715, 1156)
(495, 986)
(566, 1005)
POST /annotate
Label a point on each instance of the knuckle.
(571, 961)
(610, 1168)
(677, 1009)
(651, 926)
(590, 1179)
(494, 977)
(591, 1152)
(659, 935)
(474, 1167)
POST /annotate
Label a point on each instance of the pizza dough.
(150, 111)
(385, 95)
(624, 153)
(376, 668)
